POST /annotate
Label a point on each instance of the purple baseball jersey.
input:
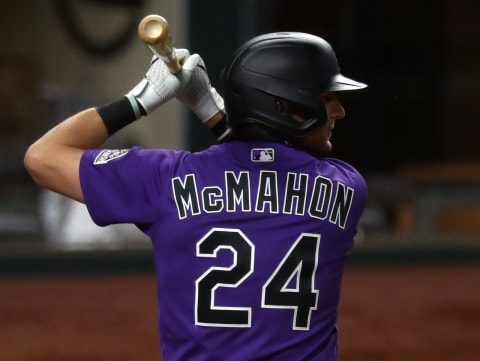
(249, 238)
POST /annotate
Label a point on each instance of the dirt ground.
(388, 314)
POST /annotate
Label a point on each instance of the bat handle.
(155, 32)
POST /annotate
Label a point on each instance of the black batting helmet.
(273, 75)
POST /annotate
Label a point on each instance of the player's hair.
(274, 75)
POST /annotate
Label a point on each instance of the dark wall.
(214, 33)
(397, 48)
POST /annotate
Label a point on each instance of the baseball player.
(250, 236)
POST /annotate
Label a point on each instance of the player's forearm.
(53, 160)
(84, 130)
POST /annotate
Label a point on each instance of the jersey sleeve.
(360, 195)
(355, 183)
(124, 185)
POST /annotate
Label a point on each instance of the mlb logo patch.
(262, 155)
(107, 155)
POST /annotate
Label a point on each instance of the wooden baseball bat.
(155, 32)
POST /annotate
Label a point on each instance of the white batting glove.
(199, 95)
(159, 85)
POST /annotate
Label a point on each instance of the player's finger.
(182, 55)
(191, 63)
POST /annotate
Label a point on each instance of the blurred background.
(414, 133)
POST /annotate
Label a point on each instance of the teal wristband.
(135, 105)
(119, 113)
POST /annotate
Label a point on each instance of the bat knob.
(153, 30)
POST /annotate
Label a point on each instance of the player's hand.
(199, 95)
(159, 85)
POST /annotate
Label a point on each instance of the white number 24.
(297, 269)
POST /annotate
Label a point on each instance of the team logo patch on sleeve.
(262, 155)
(108, 155)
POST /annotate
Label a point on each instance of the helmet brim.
(341, 83)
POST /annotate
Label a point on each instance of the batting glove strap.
(200, 96)
(145, 94)
(208, 105)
